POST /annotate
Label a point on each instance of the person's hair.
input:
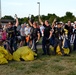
(47, 21)
(11, 23)
(35, 23)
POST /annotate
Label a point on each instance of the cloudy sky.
(25, 7)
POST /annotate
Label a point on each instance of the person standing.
(69, 27)
(46, 38)
(74, 32)
(22, 33)
(11, 35)
(35, 35)
(58, 37)
(27, 34)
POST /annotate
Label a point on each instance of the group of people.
(58, 34)
(29, 35)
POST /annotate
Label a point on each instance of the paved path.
(39, 46)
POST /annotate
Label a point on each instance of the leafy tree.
(25, 19)
(50, 17)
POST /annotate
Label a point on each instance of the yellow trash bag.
(66, 31)
(9, 56)
(51, 48)
(17, 53)
(3, 51)
(1, 55)
(58, 50)
(16, 56)
(28, 54)
(66, 50)
(28, 57)
(23, 52)
(3, 61)
(26, 50)
(4, 55)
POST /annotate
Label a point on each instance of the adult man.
(11, 35)
(58, 33)
(69, 27)
(47, 35)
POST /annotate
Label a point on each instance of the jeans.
(45, 45)
(52, 41)
(13, 44)
(58, 42)
(34, 45)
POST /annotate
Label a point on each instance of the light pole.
(29, 17)
(38, 8)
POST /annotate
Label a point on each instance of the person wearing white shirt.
(22, 35)
(27, 33)
(27, 30)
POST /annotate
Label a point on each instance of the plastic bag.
(4, 55)
(3, 61)
(24, 53)
(58, 50)
(66, 50)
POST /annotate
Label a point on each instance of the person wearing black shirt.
(46, 38)
(35, 35)
(69, 27)
(58, 33)
(11, 36)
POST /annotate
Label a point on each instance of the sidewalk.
(39, 46)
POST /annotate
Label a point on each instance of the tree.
(25, 19)
(69, 14)
(50, 17)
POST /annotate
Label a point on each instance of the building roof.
(6, 20)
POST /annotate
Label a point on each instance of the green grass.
(44, 65)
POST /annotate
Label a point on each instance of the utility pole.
(38, 8)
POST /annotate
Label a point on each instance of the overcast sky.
(25, 7)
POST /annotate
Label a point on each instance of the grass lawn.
(44, 65)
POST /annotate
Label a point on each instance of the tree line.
(68, 16)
